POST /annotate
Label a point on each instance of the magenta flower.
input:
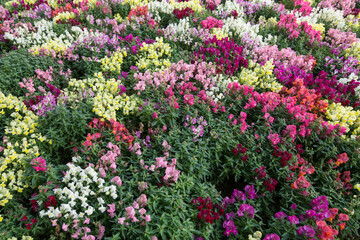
(274, 138)
(250, 191)
(307, 231)
(39, 164)
(272, 236)
(246, 208)
(280, 215)
(229, 228)
(293, 219)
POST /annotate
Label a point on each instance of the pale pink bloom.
(130, 212)
(171, 172)
(54, 222)
(76, 234)
(102, 172)
(65, 227)
(86, 230)
(116, 180)
(111, 210)
(76, 224)
(121, 220)
(142, 186)
(147, 218)
(161, 162)
(142, 200)
(87, 220)
(152, 167)
(142, 211)
(90, 237)
(101, 231)
(135, 205)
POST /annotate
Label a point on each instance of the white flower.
(102, 209)
(89, 211)
(42, 213)
(100, 200)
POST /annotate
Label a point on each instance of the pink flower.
(155, 116)
(147, 218)
(274, 138)
(142, 211)
(291, 129)
(65, 227)
(161, 162)
(111, 210)
(130, 212)
(54, 222)
(102, 172)
(172, 173)
(101, 231)
(87, 220)
(76, 234)
(90, 237)
(76, 224)
(152, 167)
(39, 164)
(86, 230)
(142, 200)
(121, 220)
(135, 205)
(189, 99)
(116, 180)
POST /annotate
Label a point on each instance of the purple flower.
(293, 206)
(280, 215)
(122, 89)
(310, 213)
(230, 216)
(250, 191)
(272, 236)
(228, 201)
(293, 219)
(134, 68)
(129, 38)
(134, 49)
(229, 228)
(238, 195)
(246, 208)
(124, 74)
(306, 230)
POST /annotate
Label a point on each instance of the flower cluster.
(207, 210)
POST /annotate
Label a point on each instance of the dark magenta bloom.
(246, 208)
(307, 231)
(293, 219)
(280, 215)
(272, 236)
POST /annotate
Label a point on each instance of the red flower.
(28, 226)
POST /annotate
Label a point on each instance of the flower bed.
(179, 119)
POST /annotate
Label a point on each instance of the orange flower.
(68, 7)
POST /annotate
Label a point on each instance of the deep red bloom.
(28, 226)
